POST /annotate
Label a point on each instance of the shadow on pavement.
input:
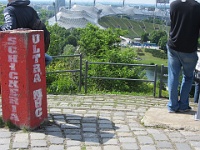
(78, 128)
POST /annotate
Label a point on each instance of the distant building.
(58, 4)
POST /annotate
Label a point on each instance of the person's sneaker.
(186, 110)
(171, 111)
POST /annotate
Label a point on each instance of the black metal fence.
(115, 78)
(79, 70)
(163, 73)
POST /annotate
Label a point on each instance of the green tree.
(59, 39)
(145, 37)
(45, 14)
(72, 40)
(156, 35)
(1, 14)
(95, 41)
(162, 43)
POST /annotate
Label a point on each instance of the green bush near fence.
(62, 82)
(104, 48)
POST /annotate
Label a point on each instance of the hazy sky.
(117, 1)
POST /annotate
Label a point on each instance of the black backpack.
(39, 25)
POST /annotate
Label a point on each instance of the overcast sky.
(117, 1)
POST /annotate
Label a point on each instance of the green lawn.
(147, 58)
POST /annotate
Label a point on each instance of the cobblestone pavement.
(99, 122)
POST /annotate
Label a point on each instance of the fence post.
(155, 80)
(161, 81)
(86, 75)
(24, 99)
(80, 78)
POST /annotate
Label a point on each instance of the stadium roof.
(79, 16)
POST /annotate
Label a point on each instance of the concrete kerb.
(159, 117)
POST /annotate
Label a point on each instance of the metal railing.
(72, 71)
(113, 78)
(163, 74)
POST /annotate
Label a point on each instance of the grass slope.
(135, 28)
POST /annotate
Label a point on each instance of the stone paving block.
(54, 134)
(39, 148)
(148, 147)
(80, 111)
(124, 134)
(178, 139)
(174, 134)
(145, 140)
(107, 141)
(20, 145)
(5, 134)
(104, 121)
(67, 111)
(122, 128)
(111, 147)
(21, 137)
(55, 110)
(73, 117)
(72, 131)
(119, 118)
(92, 141)
(193, 138)
(91, 129)
(127, 139)
(73, 143)
(93, 148)
(56, 140)
(74, 148)
(106, 126)
(84, 125)
(70, 126)
(5, 147)
(38, 136)
(74, 121)
(140, 133)
(107, 135)
(195, 143)
(76, 137)
(38, 143)
(56, 147)
(59, 117)
(183, 146)
(4, 141)
(89, 119)
(90, 135)
(52, 129)
(160, 137)
(130, 146)
(164, 144)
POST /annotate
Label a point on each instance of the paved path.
(100, 122)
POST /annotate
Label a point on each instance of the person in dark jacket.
(18, 14)
(182, 52)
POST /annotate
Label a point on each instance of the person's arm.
(9, 20)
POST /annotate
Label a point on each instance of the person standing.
(197, 80)
(182, 52)
(18, 14)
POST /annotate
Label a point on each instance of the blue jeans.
(176, 62)
(196, 92)
(48, 59)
